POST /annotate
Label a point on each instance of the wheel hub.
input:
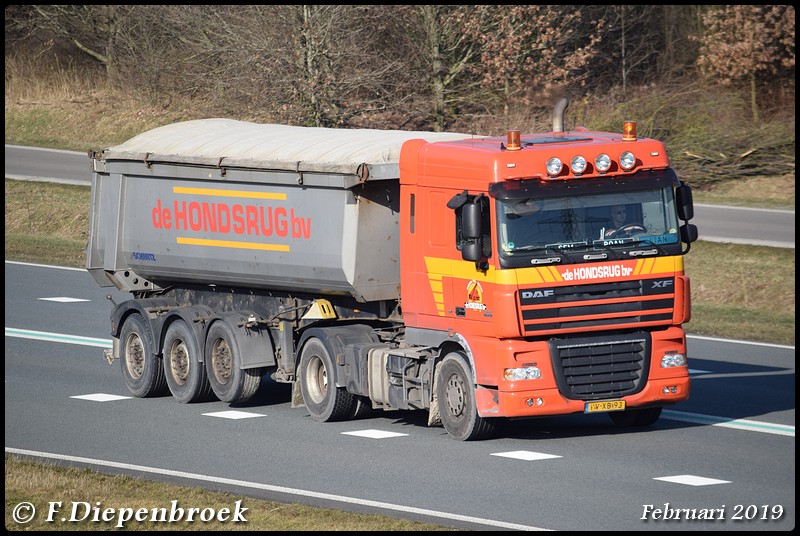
(134, 356)
(455, 396)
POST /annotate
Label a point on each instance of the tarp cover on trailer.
(267, 146)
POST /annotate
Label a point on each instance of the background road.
(774, 228)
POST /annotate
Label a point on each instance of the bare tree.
(95, 30)
(313, 65)
(532, 53)
(438, 53)
(746, 44)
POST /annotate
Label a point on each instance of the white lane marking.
(64, 299)
(101, 397)
(57, 337)
(276, 489)
(231, 414)
(526, 455)
(692, 480)
(739, 424)
(374, 434)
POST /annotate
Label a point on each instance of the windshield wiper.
(655, 250)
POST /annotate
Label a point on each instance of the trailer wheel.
(186, 374)
(325, 401)
(141, 368)
(228, 380)
(455, 393)
(635, 417)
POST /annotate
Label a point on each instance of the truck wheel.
(141, 368)
(325, 401)
(362, 409)
(228, 380)
(186, 374)
(456, 398)
(635, 417)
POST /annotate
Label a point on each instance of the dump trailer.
(477, 278)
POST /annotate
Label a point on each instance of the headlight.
(554, 166)
(602, 162)
(523, 373)
(578, 165)
(627, 160)
(673, 360)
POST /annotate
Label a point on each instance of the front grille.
(597, 368)
(648, 302)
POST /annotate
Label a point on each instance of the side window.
(486, 225)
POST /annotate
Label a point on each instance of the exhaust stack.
(558, 114)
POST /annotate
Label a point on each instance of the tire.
(185, 373)
(635, 417)
(362, 409)
(325, 402)
(141, 368)
(223, 363)
(455, 395)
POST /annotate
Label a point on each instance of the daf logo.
(534, 294)
(662, 284)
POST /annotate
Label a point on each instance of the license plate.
(605, 405)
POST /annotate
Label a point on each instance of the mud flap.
(434, 417)
(297, 396)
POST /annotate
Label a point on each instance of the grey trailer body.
(254, 249)
(226, 202)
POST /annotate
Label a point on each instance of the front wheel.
(635, 417)
(229, 381)
(141, 368)
(456, 398)
(325, 402)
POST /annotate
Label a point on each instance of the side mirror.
(685, 202)
(689, 233)
(472, 250)
(471, 221)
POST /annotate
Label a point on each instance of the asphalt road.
(730, 448)
(774, 228)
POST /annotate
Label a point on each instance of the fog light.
(665, 390)
(534, 402)
(674, 390)
(554, 166)
(627, 160)
(673, 360)
(578, 165)
(602, 162)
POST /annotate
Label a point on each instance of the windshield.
(612, 222)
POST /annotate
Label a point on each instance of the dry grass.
(47, 223)
(765, 192)
(742, 292)
(43, 483)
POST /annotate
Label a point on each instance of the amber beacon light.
(629, 131)
(513, 141)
